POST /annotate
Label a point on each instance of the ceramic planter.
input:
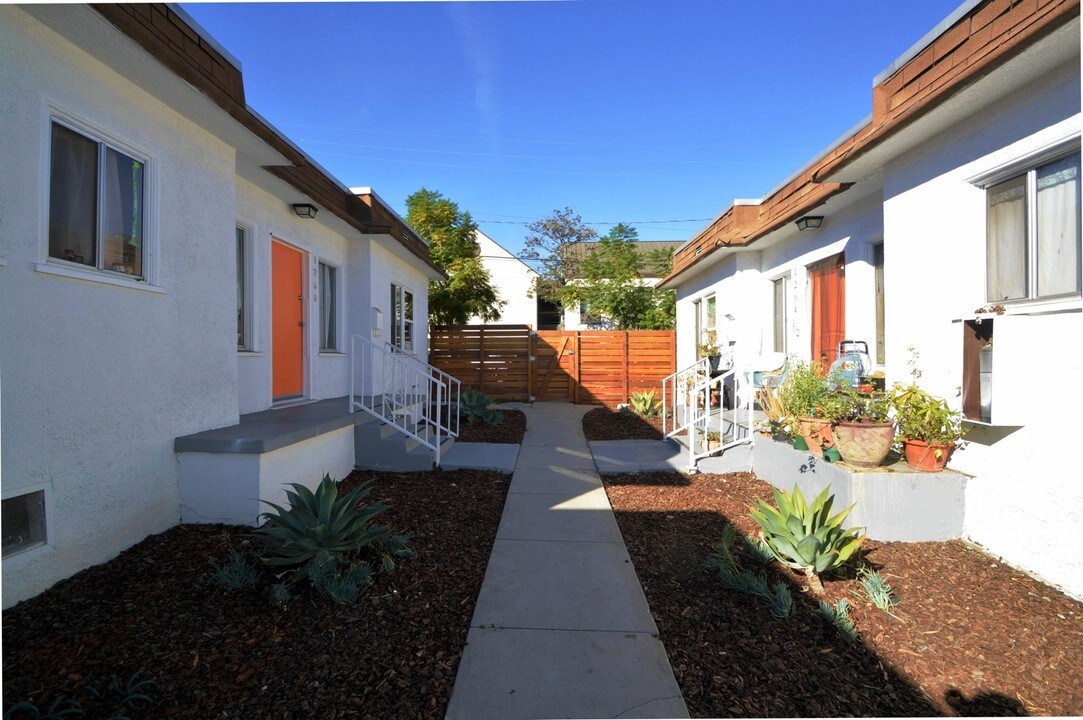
(927, 457)
(817, 435)
(864, 444)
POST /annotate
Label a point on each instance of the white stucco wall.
(1025, 500)
(513, 280)
(99, 379)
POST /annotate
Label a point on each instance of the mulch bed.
(607, 424)
(510, 430)
(971, 637)
(220, 653)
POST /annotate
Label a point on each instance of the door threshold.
(291, 402)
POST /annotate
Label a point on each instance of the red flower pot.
(927, 457)
(817, 435)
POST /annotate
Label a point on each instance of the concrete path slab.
(500, 457)
(553, 480)
(561, 627)
(574, 517)
(560, 674)
(626, 456)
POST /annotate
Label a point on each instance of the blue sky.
(635, 111)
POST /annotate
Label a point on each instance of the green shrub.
(474, 408)
(646, 403)
(877, 591)
(321, 536)
(921, 416)
(280, 595)
(734, 577)
(806, 536)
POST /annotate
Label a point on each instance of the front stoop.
(893, 502)
(226, 472)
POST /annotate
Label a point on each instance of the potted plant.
(710, 349)
(862, 429)
(803, 393)
(928, 426)
(712, 440)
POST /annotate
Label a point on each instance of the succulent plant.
(320, 527)
(646, 403)
(474, 408)
(806, 536)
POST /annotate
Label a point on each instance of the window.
(96, 204)
(1033, 233)
(23, 522)
(328, 308)
(781, 287)
(402, 318)
(710, 322)
(242, 289)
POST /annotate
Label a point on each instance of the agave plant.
(645, 403)
(474, 408)
(319, 528)
(805, 536)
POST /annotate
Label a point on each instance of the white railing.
(404, 391)
(695, 403)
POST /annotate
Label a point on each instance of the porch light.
(810, 222)
(305, 210)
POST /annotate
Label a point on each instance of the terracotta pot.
(927, 457)
(817, 435)
(864, 444)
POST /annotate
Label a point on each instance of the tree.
(554, 248)
(468, 291)
(612, 282)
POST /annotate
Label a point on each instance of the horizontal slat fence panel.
(595, 367)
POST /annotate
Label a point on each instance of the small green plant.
(780, 601)
(61, 708)
(321, 536)
(803, 390)
(722, 552)
(280, 595)
(474, 408)
(758, 550)
(806, 536)
(116, 700)
(646, 403)
(709, 347)
(839, 617)
(236, 573)
(133, 696)
(732, 576)
(924, 417)
(877, 591)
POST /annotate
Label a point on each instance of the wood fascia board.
(990, 36)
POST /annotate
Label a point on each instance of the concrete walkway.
(561, 628)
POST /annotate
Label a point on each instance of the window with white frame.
(328, 308)
(1033, 232)
(23, 521)
(243, 305)
(402, 318)
(97, 203)
(780, 287)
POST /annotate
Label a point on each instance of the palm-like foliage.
(805, 536)
(319, 527)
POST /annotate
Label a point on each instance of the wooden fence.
(594, 367)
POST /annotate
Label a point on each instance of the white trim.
(340, 304)
(1021, 164)
(104, 277)
(54, 112)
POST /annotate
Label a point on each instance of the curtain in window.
(1007, 240)
(328, 314)
(73, 197)
(122, 225)
(780, 315)
(1058, 227)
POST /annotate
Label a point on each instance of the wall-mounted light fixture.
(810, 222)
(305, 210)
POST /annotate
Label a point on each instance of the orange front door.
(287, 321)
(828, 288)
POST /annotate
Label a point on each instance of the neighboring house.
(158, 279)
(959, 193)
(583, 317)
(513, 280)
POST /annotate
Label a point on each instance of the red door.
(287, 321)
(827, 279)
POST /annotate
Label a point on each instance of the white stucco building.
(513, 280)
(960, 193)
(158, 278)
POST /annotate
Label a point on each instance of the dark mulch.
(221, 653)
(972, 636)
(510, 430)
(607, 424)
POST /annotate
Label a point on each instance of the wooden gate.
(595, 367)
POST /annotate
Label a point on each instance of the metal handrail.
(404, 391)
(686, 399)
